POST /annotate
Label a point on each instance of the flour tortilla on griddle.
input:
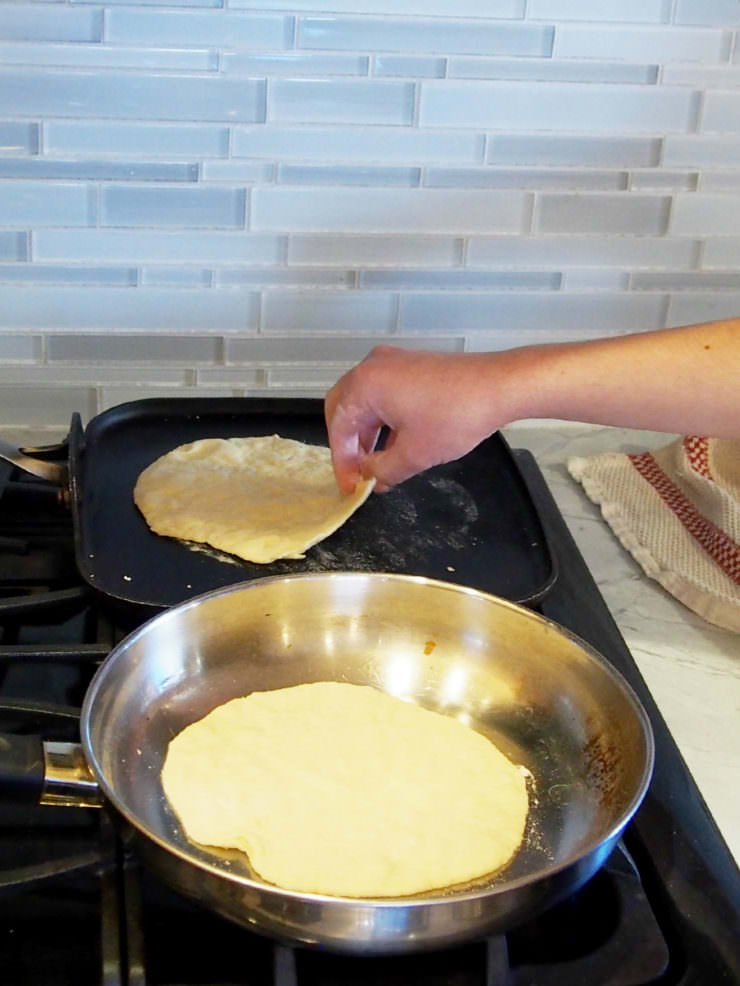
(260, 498)
(341, 789)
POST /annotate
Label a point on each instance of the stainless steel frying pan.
(545, 697)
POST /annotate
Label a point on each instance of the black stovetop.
(77, 907)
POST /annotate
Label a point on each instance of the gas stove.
(77, 906)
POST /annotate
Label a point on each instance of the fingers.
(353, 433)
(345, 457)
(393, 388)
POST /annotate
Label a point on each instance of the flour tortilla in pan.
(260, 498)
(341, 789)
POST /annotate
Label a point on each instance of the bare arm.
(439, 406)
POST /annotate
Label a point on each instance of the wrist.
(522, 380)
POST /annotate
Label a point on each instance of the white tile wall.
(244, 196)
(345, 210)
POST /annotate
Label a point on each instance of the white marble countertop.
(691, 667)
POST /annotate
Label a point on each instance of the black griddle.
(440, 524)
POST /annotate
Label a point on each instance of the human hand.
(434, 405)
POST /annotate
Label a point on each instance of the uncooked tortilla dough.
(260, 498)
(341, 789)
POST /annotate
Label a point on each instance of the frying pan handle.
(67, 779)
(54, 472)
(34, 771)
(21, 768)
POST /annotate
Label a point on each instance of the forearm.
(681, 381)
(439, 406)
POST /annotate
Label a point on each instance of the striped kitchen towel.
(677, 511)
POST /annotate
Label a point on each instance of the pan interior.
(544, 698)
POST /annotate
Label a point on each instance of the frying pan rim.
(431, 898)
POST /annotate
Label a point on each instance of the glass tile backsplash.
(242, 197)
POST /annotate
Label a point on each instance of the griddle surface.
(470, 521)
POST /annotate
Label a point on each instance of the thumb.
(389, 466)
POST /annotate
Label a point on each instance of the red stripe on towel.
(718, 545)
(696, 448)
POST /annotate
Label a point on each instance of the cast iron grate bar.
(134, 924)
(112, 932)
(55, 654)
(284, 966)
(38, 713)
(498, 969)
(56, 603)
(27, 877)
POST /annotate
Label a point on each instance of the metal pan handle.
(37, 771)
(54, 472)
